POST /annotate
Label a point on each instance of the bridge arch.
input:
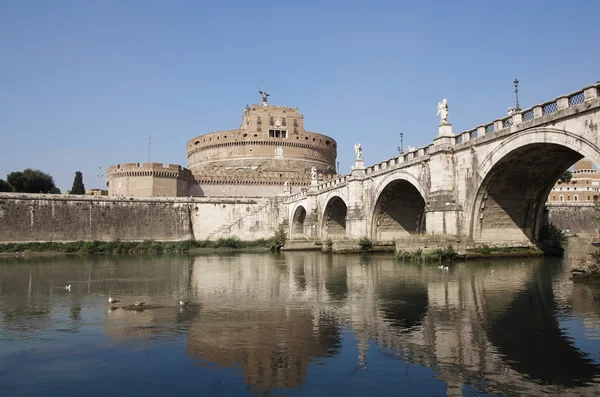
(298, 220)
(398, 207)
(333, 218)
(506, 198)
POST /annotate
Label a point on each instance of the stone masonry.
(486, 185)
(41, 217)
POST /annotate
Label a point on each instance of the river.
(295, 323)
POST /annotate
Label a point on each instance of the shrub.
(279, 239)
(365, 244)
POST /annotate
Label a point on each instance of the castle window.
(258, 120)
(295, 130)
(283, 122)
(197, 142)
(327, 143)
(561, 197)
(576, 198)
(271, 121)
(277, 134)
(295, 122)
(245, 135)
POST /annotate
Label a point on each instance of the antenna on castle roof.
(262, 78)
(262, 91)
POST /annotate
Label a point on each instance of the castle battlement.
(143, 169)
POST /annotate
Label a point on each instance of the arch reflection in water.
(275, 315)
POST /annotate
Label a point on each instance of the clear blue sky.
(84, 83)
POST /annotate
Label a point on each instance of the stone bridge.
(486, 185)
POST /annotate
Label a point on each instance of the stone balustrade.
(535, 112)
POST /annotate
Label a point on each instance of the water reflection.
(507, 327)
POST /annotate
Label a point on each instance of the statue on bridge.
(443, 111)
(358, 151)
(313, 173)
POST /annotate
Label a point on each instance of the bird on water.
(68, 287)
(182, 303)
(111, 300)
(139, 304)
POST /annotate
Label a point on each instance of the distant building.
(269, 154)
(96, 192)
(583, 186)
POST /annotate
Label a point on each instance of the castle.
(584, 185)
(269, 154)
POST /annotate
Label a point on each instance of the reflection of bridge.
(488, 184)
(469, 323)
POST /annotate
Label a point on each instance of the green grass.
(499, 252)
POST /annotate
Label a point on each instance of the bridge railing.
(518, 117)
(412, 154)
(521, 116)
(296, 196)
(333, 183)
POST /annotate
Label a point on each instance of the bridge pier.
(443, 221)
(356, 220)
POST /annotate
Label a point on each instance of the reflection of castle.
(269, 148)
(584, 185)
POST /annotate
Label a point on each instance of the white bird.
(139, 304)
(440, 266)
(182, 303)
(446, 267)
(68, 287)
(111, 300)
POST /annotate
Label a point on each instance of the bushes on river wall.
(132, 247)
(366, 244)
(437, 255)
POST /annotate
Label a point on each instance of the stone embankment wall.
(39, 217)
(578, 218)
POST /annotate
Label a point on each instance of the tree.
(32, 181)
(566, 176)
(5, 186)
(78, 187)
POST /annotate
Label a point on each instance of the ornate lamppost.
(516, 83)
(401, 147)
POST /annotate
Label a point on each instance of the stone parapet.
(149, 169)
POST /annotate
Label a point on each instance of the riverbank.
(131, 247)
(483, 252)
